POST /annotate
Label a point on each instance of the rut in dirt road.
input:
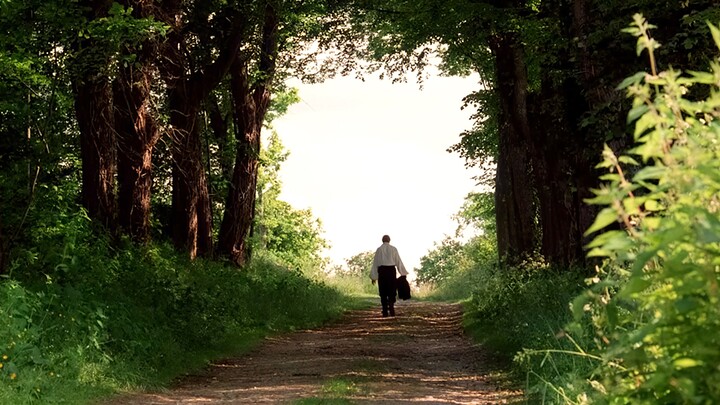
(419, 357)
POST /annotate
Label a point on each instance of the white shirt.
(387, 255)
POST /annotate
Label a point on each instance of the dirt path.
(418, 357)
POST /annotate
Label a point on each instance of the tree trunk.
(554, 175)
(137, 135)
(240, 203)
(563, 172)
(250, 104)
(515, 211)
(3, 251)
(597, 92)
(220, 128)
(192, 219)
(187, 89)
(93, 109)
(92, 93)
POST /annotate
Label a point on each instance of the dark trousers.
(387, 289)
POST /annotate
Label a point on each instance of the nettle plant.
(655, 304)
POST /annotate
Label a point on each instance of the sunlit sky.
(369, 158)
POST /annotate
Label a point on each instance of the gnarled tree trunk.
(137, 135)
(250, 104)
(93, 109)
(137, 132)
(187, 89)
(92, 92)
(515, 211)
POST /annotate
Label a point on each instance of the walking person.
(385, 263)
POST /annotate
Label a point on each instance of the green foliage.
(292, 235)
(359, 265)
(354, 277)
(654, 306)
(81, 318)
(521, 307)
(460, 282)
(451, 266)
(477, 213)
(441, 263)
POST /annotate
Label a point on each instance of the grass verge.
(92, 321)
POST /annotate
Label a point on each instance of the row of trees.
(549, 101)
(166, 100)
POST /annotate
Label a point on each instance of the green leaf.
(601, 198)
(637, 112)
(634, 79)
(686, 363)
(702, 77)
(611, 177)
(634, 286)
(650, 172)
(645, 122)
(628, 160)
(604, 237)
(653, 205)
(651, 223)
(598, 252)
(715, 34)
(604, 218)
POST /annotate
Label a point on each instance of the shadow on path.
(419, 357)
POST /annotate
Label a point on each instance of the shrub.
(655, 305)
(82, 317)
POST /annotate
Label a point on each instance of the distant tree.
(359, 265)
(441, 262)
(293, 235)
(477, 212)
(38, 131)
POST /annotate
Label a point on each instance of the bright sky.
(369, 158)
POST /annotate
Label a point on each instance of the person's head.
(386, 239)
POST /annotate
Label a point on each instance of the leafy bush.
(82, 317)
(521, 307)
(655, 305)
(455, 270)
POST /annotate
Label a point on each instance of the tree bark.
(93, 109)
(137, 135)
(515, 211)
(240, 203)
(92, 93)
(562, 147)
(3, 250)
(187, 89)
(555, 174)
(220, 128)
(251, 103)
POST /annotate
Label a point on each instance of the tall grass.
(520, 315)
(81, 318)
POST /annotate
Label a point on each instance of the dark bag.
(403, 288)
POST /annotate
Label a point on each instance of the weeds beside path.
(419, 357)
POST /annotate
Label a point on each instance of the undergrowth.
(82, 317)
(644, 329)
